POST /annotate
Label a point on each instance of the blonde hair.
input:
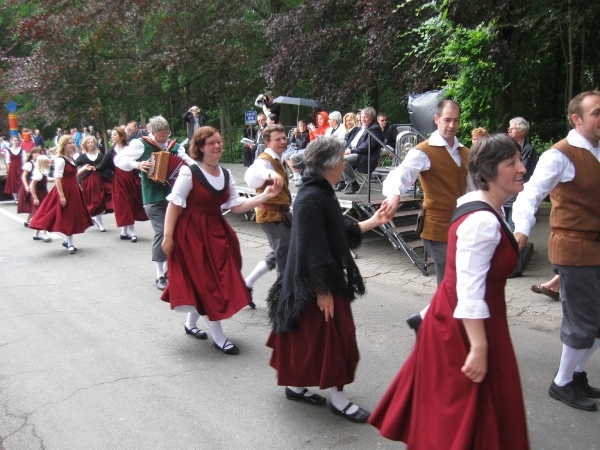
(354, 119)
(60, 148)
(479, 132)
(84, 142)
(42, 164)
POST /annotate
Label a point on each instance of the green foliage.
(539, 144)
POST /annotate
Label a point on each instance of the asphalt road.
(91, 358)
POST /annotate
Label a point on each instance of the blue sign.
(250, 117)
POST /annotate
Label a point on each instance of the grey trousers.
(438, 251)
(349, 161)
(279, 239)
(156, 213)
(580, 299)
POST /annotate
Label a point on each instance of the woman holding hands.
(460, 387)
(203, 251)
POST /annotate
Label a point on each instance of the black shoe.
(64, 244)
(161, 283)
(581, 381)
(516, 275)
(125, 237)
(352, 188)
(414, 321)
(37, 238)
(340, 186)
(572, 396)
(232, 350)
(71, 250)
(251, 304)
(358, 416)
(314, 399)
(196, 332)
(26, 224)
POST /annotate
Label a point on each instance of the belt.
(438, 213)
(587, 235)
(273, 208)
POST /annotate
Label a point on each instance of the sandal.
(537, 288)
(550, 293)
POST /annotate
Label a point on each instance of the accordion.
(164, 167)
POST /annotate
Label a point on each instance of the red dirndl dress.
(431, 404)
(15, 171)
(41, 191)
(318, 353)
(25, 199)
(97, 194)
(127, 197)
(206, 263)
(74, 217)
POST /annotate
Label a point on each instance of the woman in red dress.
(313, 337)
(39, 191)
(95, 184)
(16, 158)
(64, 210)
(25, 201)
(460, 387)
(203, 251)
(126, 189)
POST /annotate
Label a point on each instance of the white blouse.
(478, 236)
(37, 175)
(183, 186)
(59, 167)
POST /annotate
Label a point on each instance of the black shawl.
(319, 259)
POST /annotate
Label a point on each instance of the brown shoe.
(550, 293)
(537, 288)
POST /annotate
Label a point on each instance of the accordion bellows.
(165, 167)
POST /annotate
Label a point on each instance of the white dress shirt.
(478, 236)
(184, 184)
(403, 177)
(259, 171)
(127, 158)
(354, 142)
(552, 168)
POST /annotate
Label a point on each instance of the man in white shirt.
(268, 169)
(441, 162)
(570, 173)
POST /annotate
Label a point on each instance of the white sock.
(424, 311)
(340, 401)
(569, 360)
(160, 272)
(296, 176)
(261, 269)
(123, 231)
(216, 331)
(70, 241)
(589, 352)
(192, 320)
(130, 230)
(99, 222)
(165, 268)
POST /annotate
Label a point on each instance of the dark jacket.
(389, 135)
(530, 159)
(39, 141)
(188, 117)
(362, 148)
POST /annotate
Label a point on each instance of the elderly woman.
(309, 305)
(460, 387)
(336, 129)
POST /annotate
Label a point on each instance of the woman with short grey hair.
(320, 278)
(336, 128)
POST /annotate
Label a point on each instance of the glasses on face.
(511, 129)
(214, 143)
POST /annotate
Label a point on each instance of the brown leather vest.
(443, 184)
(283, 199)
(576, 208)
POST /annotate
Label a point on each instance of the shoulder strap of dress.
(479, 205)
(204, 182)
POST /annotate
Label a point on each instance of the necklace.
(210, 165)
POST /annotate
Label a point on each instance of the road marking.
(22, 221)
